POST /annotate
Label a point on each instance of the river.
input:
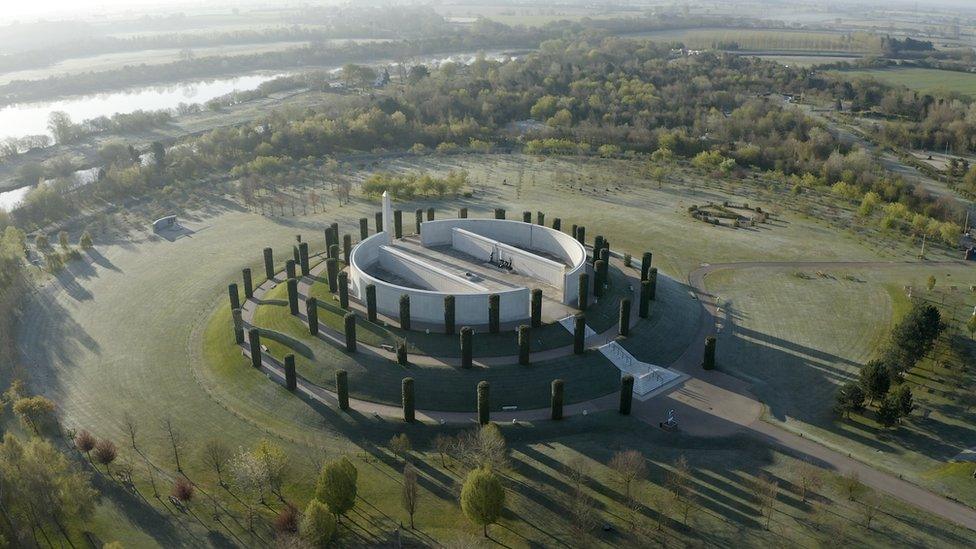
(20, 119)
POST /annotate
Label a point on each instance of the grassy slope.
(437, 387)
(797, 339)
(127, 333)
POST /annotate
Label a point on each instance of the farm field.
(757, 40)
(797, 336)
(923, 80)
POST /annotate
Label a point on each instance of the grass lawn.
(796, 339)
(134, 331)
(600, 316)
(437, 387)
(919, 79)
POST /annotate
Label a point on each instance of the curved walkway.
(708, 403)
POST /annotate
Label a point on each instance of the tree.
(105, 452)
(629, 467)
(484, 402)
(410, 495)
(850, 398)
(406, 398)
(287, 520)
(484, 447)
(40, 488)
(35, 412)
(336, 486)
(678, 481)
(870, 505)
(442, 445)
(903, 396)
(275, 463)
(183, 490)
(482, 497)
(61, 127)
(809, 478)
(318, 525)
(85, 443)
(400, 445)
(63, 240)
(889, 411)
(930, 283)
(709, 361)
(175, 440)
(852, 486)
(85, 241)
(875, 379)
(971, 326)
(764, 490)
(248, 476)
(215, 454)
(131, 428)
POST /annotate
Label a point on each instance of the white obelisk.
(387, 215)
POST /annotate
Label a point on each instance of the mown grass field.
(797, 339)
(922, 80)
(134, 331)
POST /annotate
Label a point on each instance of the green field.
(923, 80)
(797, 338)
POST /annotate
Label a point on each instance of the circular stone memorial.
(471, 260)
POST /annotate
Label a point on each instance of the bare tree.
(410, 496)
(583, 515)
(442, 444)
(215, 454)
(679, 483)
(175, 440)
(851, 484)
(809, 478)
(578, 471)
(870, 505)
(764, 490)
(400, 445)
(130, 427)
(484, 447)
(629, 466)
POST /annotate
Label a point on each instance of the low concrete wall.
(423, 274)
(427, 306)
(521, 235)
(523, 262)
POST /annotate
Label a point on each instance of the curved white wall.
(428, 306)
(519, 234)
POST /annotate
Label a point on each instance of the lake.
(22, 119)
